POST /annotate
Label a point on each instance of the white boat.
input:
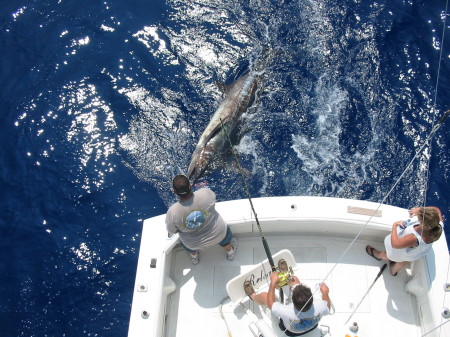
(173, 297)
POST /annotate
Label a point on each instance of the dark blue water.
(103, 102)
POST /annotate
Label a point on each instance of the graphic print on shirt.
(195, 219)
(304, 324)
(410, 222)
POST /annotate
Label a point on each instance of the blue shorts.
(226, 241)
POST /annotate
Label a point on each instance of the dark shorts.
(289, 333)
(227, 239)
(224, 242)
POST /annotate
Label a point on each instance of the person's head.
(302, 297)
(181, 185)
(429, 218)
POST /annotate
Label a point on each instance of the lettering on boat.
(258, 277)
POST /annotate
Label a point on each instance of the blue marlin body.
(213, 140)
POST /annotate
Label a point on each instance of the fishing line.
(435, 103)
(430, 136)
(446, 114)
(265, 244)
(438, 327)
(440, 57)
(435, 128)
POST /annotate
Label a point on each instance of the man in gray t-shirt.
(195, 219)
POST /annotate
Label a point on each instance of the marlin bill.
(240, 96)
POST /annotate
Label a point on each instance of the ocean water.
(103, 102)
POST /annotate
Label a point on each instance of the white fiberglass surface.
(194, 309)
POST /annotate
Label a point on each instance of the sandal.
(248, 289)
(369, 250)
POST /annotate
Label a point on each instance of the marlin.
(240, 96)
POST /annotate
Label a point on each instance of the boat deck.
(387, 310)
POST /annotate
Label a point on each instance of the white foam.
(320, 153)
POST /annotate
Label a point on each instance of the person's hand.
(294, 281)
(325, 294)
(324, 289)
(274, 278)
(398, 223)
(413, 211)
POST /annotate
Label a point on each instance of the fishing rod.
(265, 244)
(362, 299)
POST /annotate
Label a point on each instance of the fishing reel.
(284, 277)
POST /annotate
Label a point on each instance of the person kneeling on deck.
(196, 220)
(303, 314)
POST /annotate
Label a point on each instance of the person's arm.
(271, 293)
(325, 294)
(403, 242)
(170, 226)
(171, 231)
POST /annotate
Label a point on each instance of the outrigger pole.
(265, 244)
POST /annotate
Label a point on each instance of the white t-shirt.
(298, 321)
(196, 220)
